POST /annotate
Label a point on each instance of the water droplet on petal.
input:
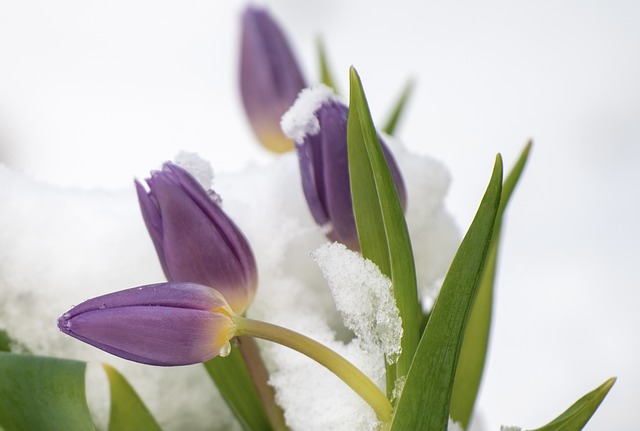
(225, 350)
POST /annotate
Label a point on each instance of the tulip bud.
(160, 324)
(270, 78)
(318, 124)
(195, 240)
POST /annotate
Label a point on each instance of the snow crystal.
(300, 120)
(197, 166)
(365, 298)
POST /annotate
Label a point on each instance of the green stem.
(260, 377)
(326, 357)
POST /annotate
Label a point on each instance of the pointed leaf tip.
(128, 411)
(399, 108)
(326, 74)
(580, 412)
(426, 397)
(379, 217)
(473, 353)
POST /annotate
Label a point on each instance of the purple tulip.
(159, 324)
(270, 78)
(321, 142)
(195, 240)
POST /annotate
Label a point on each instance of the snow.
(196, 166)
(365, 298)
(300, 120)
(454, 426)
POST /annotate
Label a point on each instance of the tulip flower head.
(195, 240)
(193, 317)
(318, 124)
(270, 78)
(170, 324)
(160, 324)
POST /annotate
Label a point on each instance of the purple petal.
(152, 220)
(324, 166)
(196, 241)
(173, 294)
(311, 181)
(233, 237)
(270, 78)
(337, 186)
(163, 324)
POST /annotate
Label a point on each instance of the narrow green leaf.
(398, 109)
(128, 412)
(424, 403)
(476, 337)
(232, 378)
(382, 229)
(577, 416)
(364, 195)
(326, 76)
(39, 393)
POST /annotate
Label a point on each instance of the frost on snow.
(61, 246)
(365, 298)
(300, 120)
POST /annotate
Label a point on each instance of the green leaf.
(39, 393)
(232, 378)
(425, 399)
(5, 341)
(382, 229)
(476, 337)
(128, 412)
(326, 77)
(577, 416)
(398, 109)
(8, 344)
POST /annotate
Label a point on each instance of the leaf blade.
(425, 400)
(42, 393)
(376, 204)
(128, 411)
(326, 75)
(580, 412)
(398, 109)
(5, 341)
(232, 379)
(475, 342)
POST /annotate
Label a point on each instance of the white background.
(93, 93)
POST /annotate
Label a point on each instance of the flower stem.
(326, 357)
(259, 376)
